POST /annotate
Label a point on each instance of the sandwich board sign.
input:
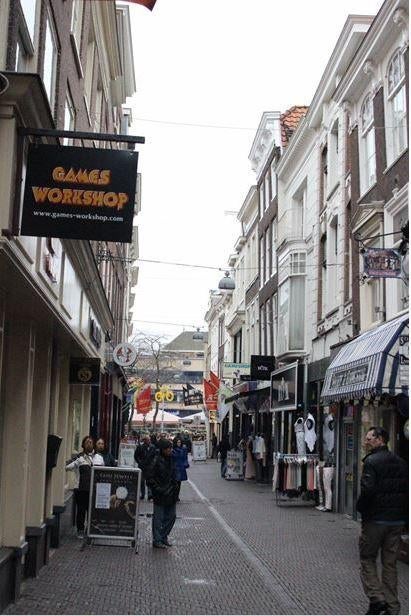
(113, 506)
(126, 455)
(199, 451)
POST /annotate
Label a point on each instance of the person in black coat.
(143, 455)
(383, 504)
(161, 479)
(223, 449)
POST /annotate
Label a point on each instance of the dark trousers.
(164, 517)
(373, 538)
(223, 467)
(82, 498)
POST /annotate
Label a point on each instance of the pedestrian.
(161, 479)
(214, 446)
(143, 455)
(180, 457)
(383, 504)
(223, 449)
(187, 441)
(101, 456)
(81, 465)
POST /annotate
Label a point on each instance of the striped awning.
(374, 363)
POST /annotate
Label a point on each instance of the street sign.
(235, 370)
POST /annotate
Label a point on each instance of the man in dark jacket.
(383, 504)
(223, 449)
(143, 455)
(164, 487)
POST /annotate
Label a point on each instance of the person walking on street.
(180, 457)
(223, 449)
(143, 454)
(214, 446)
(383, 504)
(101, 456)
(161, 479)
(81, 465)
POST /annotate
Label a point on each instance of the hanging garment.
(309, 432)
(300, 435)
(328, 432)
(328, 474)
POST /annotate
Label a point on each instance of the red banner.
(214, 380)
(144, 401)
(210, 396)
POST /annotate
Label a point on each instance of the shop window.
(50, 62)
(367, 146)
(396, 120)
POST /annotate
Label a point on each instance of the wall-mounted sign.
(287, 387)
(382, 263)
(84, 371)
(125, 354)
(261, 367)
(191, 395)
(233, 370)
(95, 333)
(79, 193)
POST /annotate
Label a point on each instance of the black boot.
(379, 607)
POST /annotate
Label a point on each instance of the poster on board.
(126, 455)
(113, 505)
(199, 451)
(235, 470)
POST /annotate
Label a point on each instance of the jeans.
(143, 489)
(223, 467)
(82, 498)
(164, 517)
(373, 538)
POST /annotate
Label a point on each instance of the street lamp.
(226, 283)
(198, 335)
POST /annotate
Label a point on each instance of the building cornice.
(267, 136)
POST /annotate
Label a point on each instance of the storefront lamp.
(226, 283)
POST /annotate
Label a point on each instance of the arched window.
(396, 124)
(367, 146)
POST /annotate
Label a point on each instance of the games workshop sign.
(79, 193)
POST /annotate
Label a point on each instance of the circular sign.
(84, 374)
(125, 354)
(169, 396)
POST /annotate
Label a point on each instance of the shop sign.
(113, 507)
(287, 387)
(235, 470)
(79, 193)
(261, 367)
(235, 370)
(382, 263)
(84, 371)
(191, 395)
(404, 359)
(349, 376)
(125, 354)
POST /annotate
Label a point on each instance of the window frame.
(53, 73)
(368, 177)
(398, 89)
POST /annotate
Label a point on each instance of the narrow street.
(235, 552)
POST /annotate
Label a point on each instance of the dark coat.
(160, 477)
(109, 459)
(180, 463)
(144, 454)
(384, 487)
(223, 448)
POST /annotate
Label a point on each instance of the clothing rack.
(295, 476)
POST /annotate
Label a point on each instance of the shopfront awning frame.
(368, 365)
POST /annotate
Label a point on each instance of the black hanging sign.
(84, 371)
(79, 193)
(287, 388)
(114, 500)
(261, 367)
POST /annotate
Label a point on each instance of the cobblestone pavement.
(235, 552)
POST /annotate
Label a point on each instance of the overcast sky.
(218, 64)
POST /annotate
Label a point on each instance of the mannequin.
(328, 433)
(320, 486)
(310, 436)
(328, 474)
(300, 435)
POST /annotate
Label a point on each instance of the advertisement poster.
(126, 455)
(287, 388)
(79, 193)
(199, 451)
(114, 502)
(235, 468)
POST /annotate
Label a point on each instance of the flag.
(143, 402)
(191, 395)
(210, 395)
(214, 380)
